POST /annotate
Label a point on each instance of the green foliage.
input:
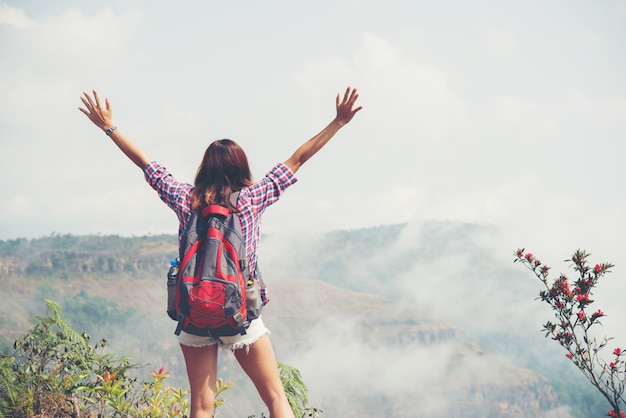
(296, 391)
(220, 388)
(93, 311)
(295, 388)
(54, 371)
(62, 256)
(7, 387)
(114, 396)
(50, 362)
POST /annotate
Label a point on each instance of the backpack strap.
(219, 209)
(243, 263)
(181, 320)
(215, 210)
(234, 196)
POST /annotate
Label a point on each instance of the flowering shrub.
(571, 303)
(56, 372)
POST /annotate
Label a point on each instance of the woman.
(224, 169)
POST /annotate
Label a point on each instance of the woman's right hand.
(345, 113)
(102, 117)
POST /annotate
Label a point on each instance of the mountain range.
(343, 311)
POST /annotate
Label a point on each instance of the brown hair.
(224, 169)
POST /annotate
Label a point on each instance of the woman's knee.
(202, 401)
(259, 363)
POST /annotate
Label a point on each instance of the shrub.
(571, 303)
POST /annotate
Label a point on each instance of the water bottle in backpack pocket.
(172, 281)
(254, 303)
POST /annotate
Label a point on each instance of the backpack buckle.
(239, 321)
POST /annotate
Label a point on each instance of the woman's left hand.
(345, 107)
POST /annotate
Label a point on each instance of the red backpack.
(215, 294)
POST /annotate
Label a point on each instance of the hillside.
(361, 354)
(395, 361)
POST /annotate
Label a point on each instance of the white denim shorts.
(254, 332)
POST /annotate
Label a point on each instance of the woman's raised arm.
(102, 117)
(345, 113)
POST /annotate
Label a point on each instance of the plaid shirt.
(252, 203)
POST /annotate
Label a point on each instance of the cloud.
(401, 89)
(14, 17)
(371, 371)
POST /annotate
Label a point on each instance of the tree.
(571, 303)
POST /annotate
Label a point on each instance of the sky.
(509, 115)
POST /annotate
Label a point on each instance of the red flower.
(107, 377)
(583, 298)
(564, 286)
(598, 268)
(161, 373)
(581, 314)
(569, 355)
(596, 315)
(617, 351)
(611, 365)
(529, 256)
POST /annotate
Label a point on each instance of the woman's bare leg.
(259, 363)
(201, 365)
